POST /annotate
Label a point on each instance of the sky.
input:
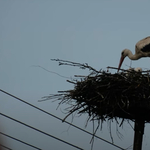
(32, 32)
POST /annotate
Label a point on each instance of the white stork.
(142, 49)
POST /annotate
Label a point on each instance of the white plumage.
(131, 70)
(138, 69)
(142, 49)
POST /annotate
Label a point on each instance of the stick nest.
(103, 95)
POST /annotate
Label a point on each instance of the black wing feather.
(146, 48)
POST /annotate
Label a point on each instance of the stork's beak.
(121, 61)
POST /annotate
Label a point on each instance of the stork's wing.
(143, 45)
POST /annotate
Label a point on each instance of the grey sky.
(34, 31)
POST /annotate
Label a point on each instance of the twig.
(51, 71)
(70, 63)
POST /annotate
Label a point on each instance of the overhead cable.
(61, 119)
(5, 147)
(20, 141)
(40, 131)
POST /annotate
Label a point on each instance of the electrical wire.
(20, 141)
(40, 131)
(5, 147)
(61, 119)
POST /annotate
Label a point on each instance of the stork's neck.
(133, 57)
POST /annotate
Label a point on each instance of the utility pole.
(138, 133)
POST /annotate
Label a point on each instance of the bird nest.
(105, 95)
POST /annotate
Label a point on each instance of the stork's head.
(124, 53)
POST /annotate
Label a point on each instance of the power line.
(5, 147)
(20, 141)
(40, 131)
(60, 119)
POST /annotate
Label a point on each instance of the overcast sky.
(34, 31)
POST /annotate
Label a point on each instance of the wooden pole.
(138, 134)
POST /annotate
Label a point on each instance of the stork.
(142, 49)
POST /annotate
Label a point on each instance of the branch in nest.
(103, 95)
(70, 63)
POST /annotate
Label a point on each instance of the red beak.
(121, 61)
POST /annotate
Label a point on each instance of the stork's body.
(142, 49)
